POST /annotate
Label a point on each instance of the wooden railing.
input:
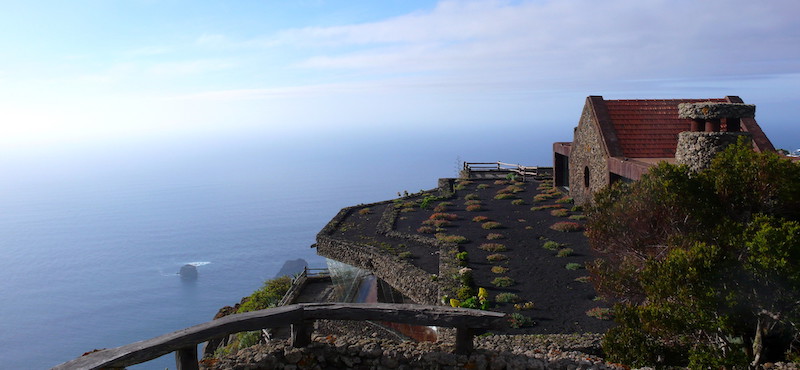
(523, 171)
(301, 319)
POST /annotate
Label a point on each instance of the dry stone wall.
(588, 156)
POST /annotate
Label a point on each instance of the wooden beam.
(136, 353)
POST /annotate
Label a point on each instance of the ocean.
(91, 237)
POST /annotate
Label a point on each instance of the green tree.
(703, 267)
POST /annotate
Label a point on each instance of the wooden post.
(186, 358)
(464, 343)
(301, 333)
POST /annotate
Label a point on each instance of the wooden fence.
(301, 319)
(535, 172)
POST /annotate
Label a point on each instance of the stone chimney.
(705, 138)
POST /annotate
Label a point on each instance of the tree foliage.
(704, 267)
(268, 295)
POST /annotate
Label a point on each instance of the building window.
(586, 177)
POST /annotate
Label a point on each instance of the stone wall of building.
(588, 156)
(698, 149)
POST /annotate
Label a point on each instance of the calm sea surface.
(91, 239)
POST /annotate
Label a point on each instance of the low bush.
(443, 216)
(493, 247)
(551, 245)
(505, 196)
(458, 239)
(406, 210)
(517, 320)
(506, 298)
(496, 257)
(561, 212)
(524, 306)
(499, 269)
(474, 207)
(503, 282)
(495, 236)
(472, 196)
(425, 230)
(465, 292)
(577, 217)
(480, 219)
(405, 255)
(483, 186)
(500, 182)
(564, 200)
(437, 223)
(566, 226)
(472, 202)
(548, 206)
(518, 202)
(601, 313)
(583, 279)
(268, 295)
(566, 252)
(573, 266)
(364, 211)
(577, 209)
(542, 197)
(491, 225)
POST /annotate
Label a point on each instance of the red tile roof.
(648, 128)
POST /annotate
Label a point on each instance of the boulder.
(188, 272)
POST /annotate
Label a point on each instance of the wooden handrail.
(300, 316)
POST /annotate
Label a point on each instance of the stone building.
(619, 140)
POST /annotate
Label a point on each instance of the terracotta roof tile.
(649, 128)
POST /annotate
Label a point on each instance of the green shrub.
(472, 202)
(472, 196)
(517, 320)
(495, 236)
(503, 282)
(479, 219)
(443, 216)
(506, 298)
(561, 212)
(566, 226)
(405, 255)
(499, 269)
(496, 257)
(600, 313)
(364, 211)
(551, 245)
(577, 209)
(483, 186)
(493, 247)
(500, 182)
(583, 279)
(491, 225)
(474, 207)
(505, 196)
(564, 200)
(425, 230)
(566, 252)
(268, 295)
(573, 266)
(465, 292)
(457, 239)
(518, 202)
(577, 217)
(524, 306)
(462, 256)
(548, 206)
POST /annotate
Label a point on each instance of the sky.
(83, 71)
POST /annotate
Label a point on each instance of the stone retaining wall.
(368, 353)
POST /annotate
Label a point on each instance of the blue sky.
(113, 70)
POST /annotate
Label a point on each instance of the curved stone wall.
(698, 149)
